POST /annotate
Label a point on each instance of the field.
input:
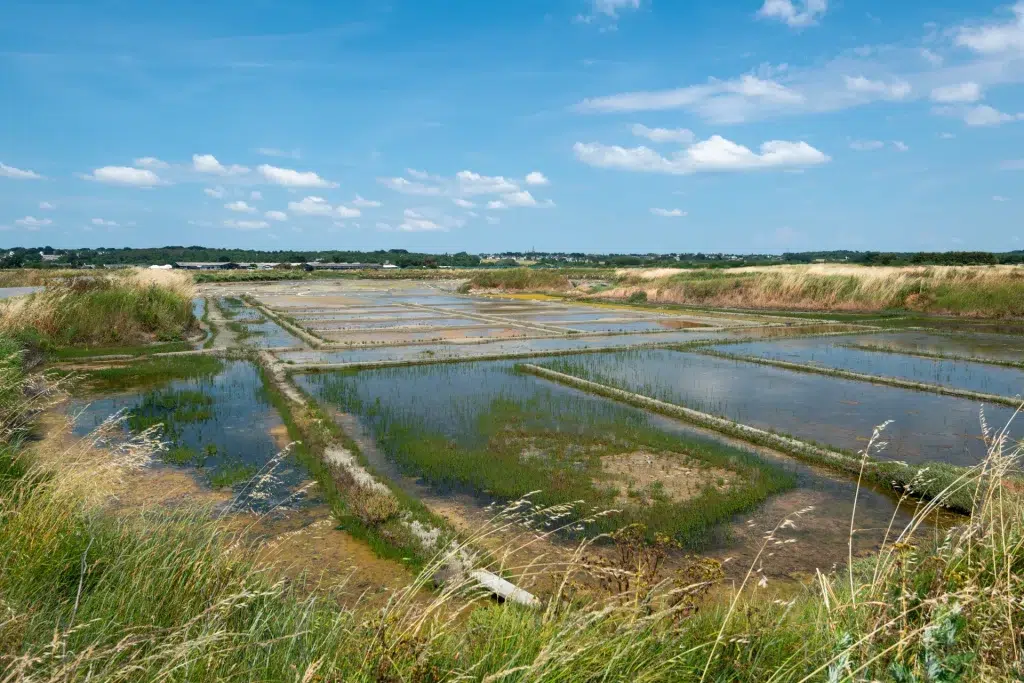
(435, 479)
(981, 291)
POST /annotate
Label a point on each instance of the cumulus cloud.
(318, 206)
(18, 173)
(419, 225)
(47, 206)
(995, 38)
(33, 223)
(105, 224)
(1000, 198)
(276, 215)
(959, 92)
(900, 146)
(215, 192)
(246, 225)
(493, 220)
(124, 175)
(365, 203)
(714, 154)
(256, 195)
(669, 213)
(471, 183)
(151, 162)
(240, 207)
(207, 163)
(683, 136)
(292, 178)
(984, 115)
(796, 14)
(895, 90)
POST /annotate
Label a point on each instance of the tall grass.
(991, 291)
(127, 308)
(173, 596)
(519, 279)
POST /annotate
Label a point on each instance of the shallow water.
(383, 324)
(554, 344)
(829, 410)
(451, 399)
(240, 428)
(1000, 347)
(825, 352)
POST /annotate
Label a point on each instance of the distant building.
(49, 257)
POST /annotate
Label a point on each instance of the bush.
(637, 297)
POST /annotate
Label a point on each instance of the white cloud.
(276, 215)
(105, 224)
(407, 187)
(1012, 165)
(536, 178)
(984, 115)
(611, 8)
(669, 213)
(725, 101)
(215, 192)
(292, 178)
(240, 207)
(256, 195)
(365, 203)
(318, 206)
(1000, 198)
(714, 154)
(463, 203)
(866, 145)
(274, 152)
(47, 206)
(471, 183)
(124, 175)
(959, 92)
(497, 204)
(33, 223)
(895, 90)
(412, 213)
(419, 225)
(246, 225)
(383, 226)
(946, 136)
(995, 38)
(681, 135)
(418, 175)
(900, 146)
(17, 173)
(151, 162)
(797, 14)
(207, 163)
(493, 220)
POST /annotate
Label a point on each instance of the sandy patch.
(670, 474)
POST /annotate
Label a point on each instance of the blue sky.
(577, 125)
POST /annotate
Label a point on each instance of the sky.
(625, 126)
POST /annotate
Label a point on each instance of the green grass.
(152, 371)
(515, 446)
(210, 325)
(103, 311)
(171, 595)
(79, 353)
(230, 474)
(520, 279)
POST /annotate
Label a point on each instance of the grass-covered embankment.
(983, 291)
(173, 596)
(127, 308)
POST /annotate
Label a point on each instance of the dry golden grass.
(967, 290)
